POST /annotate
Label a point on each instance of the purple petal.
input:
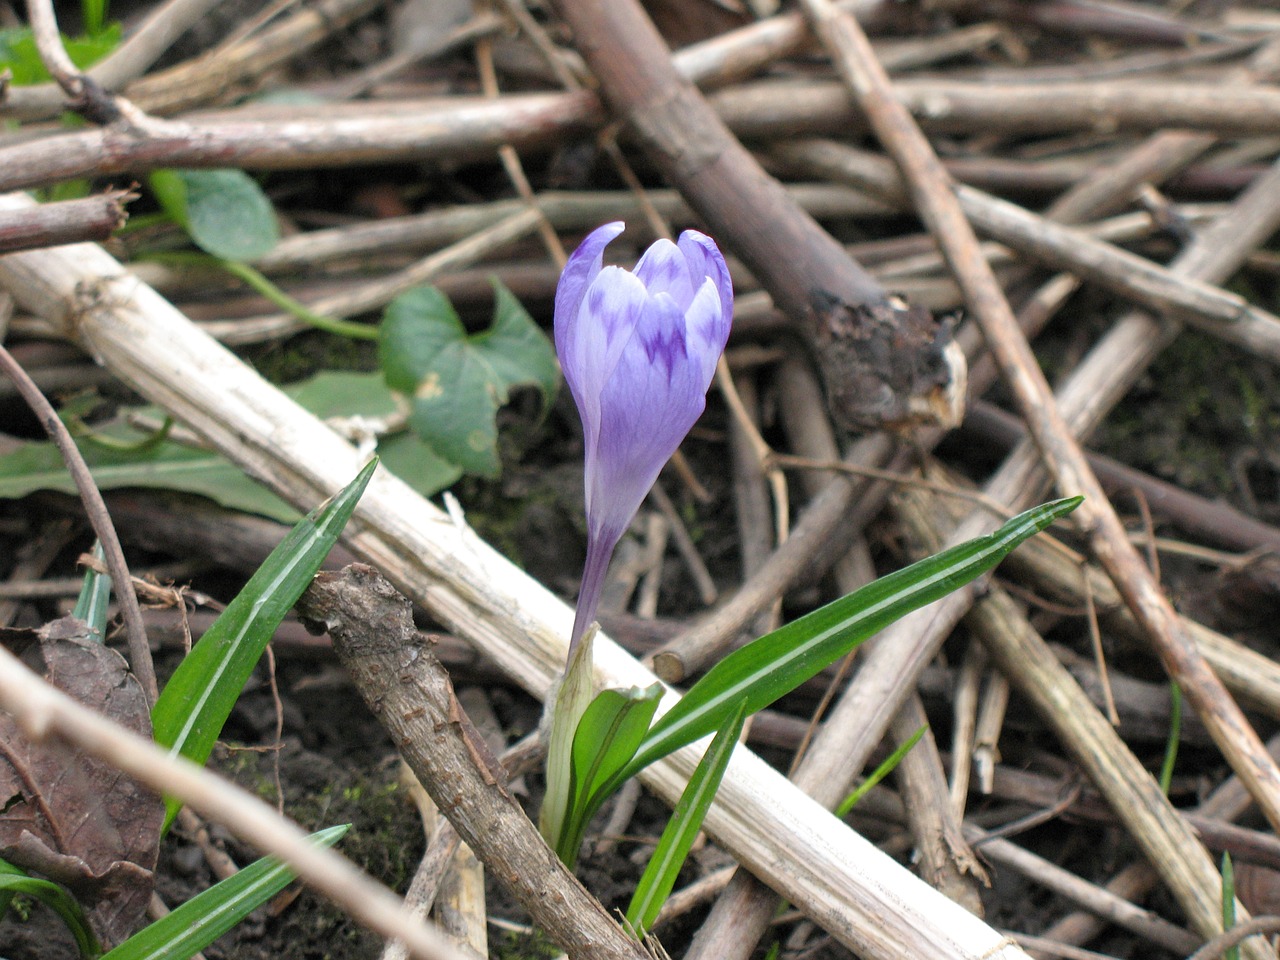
(707, 329)
(706, 260)
(579, 271)
(599, 552)
(591, 349)
(664, 268)
(591, 342)
(656, 393)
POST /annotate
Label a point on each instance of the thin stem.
(599, 552)
(259, 283)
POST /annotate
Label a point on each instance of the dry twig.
(99, 519)
(46, 712)
(71, 221)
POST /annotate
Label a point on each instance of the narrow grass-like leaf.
(879, 773)
(208, 915)
(762, 671)
(196, 701)
(94, 15)
(681, 830)
(1175, 735)
(1229, 903)
(95, 597)
(14, 880)
(7, 895)
(607, 737)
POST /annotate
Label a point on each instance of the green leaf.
(686, 820)
(345, 393)
(405, 455)
(94, 13)
(13, 880)
(348, 394)
(167, 464)
(205, 917)
(65, 190)
(571, 697)
(1175, 736)
(95, 595)
(121, 456)
(608, 735)
(887, 767)
(196, 701)
(456, 383)
(775, 664)
(1229, 903)
(517, 349)
(19, 55)
(170, 191)
(224, 211)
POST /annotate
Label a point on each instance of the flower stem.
(599, 552)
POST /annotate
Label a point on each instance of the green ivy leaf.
(224, 211)
(348, 394)
(344, 393)
(456, 382)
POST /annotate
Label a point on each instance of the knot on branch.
(887, 364)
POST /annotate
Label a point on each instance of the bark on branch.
(406, 687)
(71, 221)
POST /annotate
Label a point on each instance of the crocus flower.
(638, 350)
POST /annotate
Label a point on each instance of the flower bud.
(638, 349)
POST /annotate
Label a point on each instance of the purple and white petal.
(706, 260)
(664, 268)
(707, 326)
(590, 343)
(579, 271)
(654, 396)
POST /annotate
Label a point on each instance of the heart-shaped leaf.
(456, 382)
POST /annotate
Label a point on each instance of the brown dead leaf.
(70, 817)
